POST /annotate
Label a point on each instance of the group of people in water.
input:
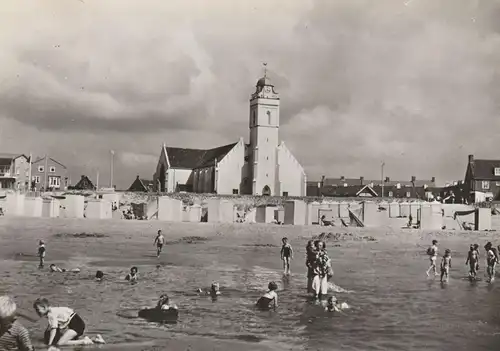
(66, 327)
(472, 261)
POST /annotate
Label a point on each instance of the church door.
(266, 191)
(162, 178)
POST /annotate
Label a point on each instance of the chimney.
(471, 158)
(137, 177)
(413, 179)
(361, 179)
(433, 179)
(342, 178)
(322, 183)
(387, 179)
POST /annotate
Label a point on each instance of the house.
(482, 180)
(83, 184)
(14, 171)
(48, 174)
(264, 166)
(359, 187)
(141, 185)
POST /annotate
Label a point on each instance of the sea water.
(394, 306)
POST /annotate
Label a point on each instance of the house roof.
(50, 158)
(140, 185)
(84, 184)
(367, 189)
(196, 158)
(357, 182)
(485, 169)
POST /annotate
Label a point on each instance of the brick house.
(359, 187)
(14, 171)
(482, 180)
(48, 174)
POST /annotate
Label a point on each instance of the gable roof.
(368, 189)
(84, 184)
(50, 158)
(485, 169)
(358, 182)
(142, 185)
(196, 158)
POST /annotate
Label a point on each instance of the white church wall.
(176, 176)
(230, 170)
(291, 173)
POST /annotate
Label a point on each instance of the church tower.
(264, 138)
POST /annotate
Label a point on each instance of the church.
(265, 166)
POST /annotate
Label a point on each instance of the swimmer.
(269, 299)
(56, 269)
(445, 265)
(432, 251)
(334, 306)
(159, 241)
(133, 275)
(286, 255)
(164, 303)
(65, 325)
(99, 276)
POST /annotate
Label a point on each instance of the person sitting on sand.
(13, 335)
(164, 303)
(65, 325)
(269, 299)
(99, 276)
(334, 306)
(56, 269)
(133, 275)
(445, 265)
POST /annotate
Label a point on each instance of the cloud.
(361, 81)
(131, 159)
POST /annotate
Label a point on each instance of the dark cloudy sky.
(414, 83)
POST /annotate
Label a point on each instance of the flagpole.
(29, 179)
(111, 177)
(97, 181)
(45, 171)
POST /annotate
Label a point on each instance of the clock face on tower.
(267, 89)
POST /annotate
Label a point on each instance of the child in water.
(432, 251)
(159, 241)
(56, 269)
(286, 255)
(334, 306)
(311, 252)
(13, 335)
(445, 265)
(65, 325)
(41, 253)
(269, 299)
(491, 261)
(133, 275)
(472, 261)
(164, 303)
(99, 276)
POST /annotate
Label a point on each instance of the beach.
(394, 305)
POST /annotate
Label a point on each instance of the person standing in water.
(432, 251)
(286, 255)
(445, 265)
(310, 258)
(321, 270)
(41, 253)
(472, 261)
(159, 241)
(491, 261)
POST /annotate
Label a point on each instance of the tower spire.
(265, 69)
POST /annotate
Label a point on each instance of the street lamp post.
(382, 175)
(112, 166)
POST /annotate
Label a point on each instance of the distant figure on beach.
(410, 220)
(334, 306)
(269, 299)
(159, 241)
(133, 275)
(99, 276)
(13, 335)
(41, 253)
(321, 269)
(56, 269)
(310, 258)
(432, 252)
(473, 261)
(445, 265)
(65, 325)
(286, 255)
(491, 261)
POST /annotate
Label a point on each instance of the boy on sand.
(13, 335)
(286, 255)
(41, 253)
(445, 265)
(65, 325)
(269, 299)
(432, 251)
(159, 241)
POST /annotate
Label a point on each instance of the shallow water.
(394, 305)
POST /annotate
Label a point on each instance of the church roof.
(196, 158)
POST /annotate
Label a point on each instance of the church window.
(269, 117)
(253, 119)
(235, 191)
(246, 158)
(285, 193)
